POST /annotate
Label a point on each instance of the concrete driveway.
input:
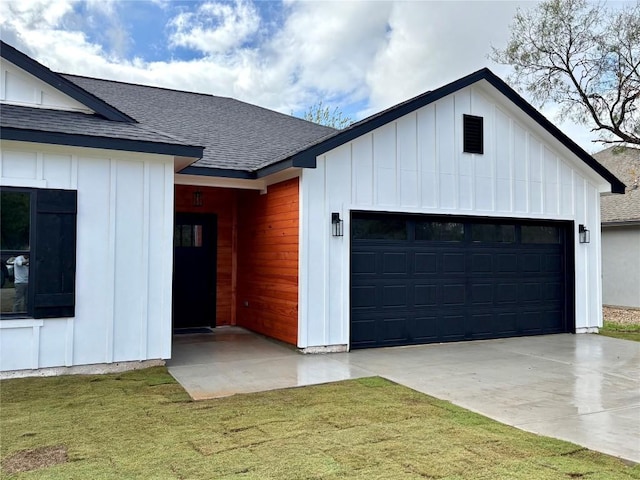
(580, 388)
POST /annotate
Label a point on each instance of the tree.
(318, 113)
(583, 56)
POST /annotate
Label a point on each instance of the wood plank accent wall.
(222, 202)
(267, 292)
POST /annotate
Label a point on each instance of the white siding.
(21, 88)
(416, 164)
(123, 257)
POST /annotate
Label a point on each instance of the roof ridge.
(71, 76)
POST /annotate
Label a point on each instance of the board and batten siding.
(268, 238)
(123, 257)
(21, 88)
(416, 164)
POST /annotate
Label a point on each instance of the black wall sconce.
(584, 236)
(197, 198)
(336, 225)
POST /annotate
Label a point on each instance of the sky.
(359, 56)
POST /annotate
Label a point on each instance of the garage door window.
(379, 229)
(440, 231)
(493, 233)
(540, 234)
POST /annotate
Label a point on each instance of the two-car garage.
(423, 279)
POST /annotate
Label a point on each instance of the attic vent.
(473, 134)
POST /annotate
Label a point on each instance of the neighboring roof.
(624, 162)
(38, 70)
(241, 140)
(307, 156)
(81, 130)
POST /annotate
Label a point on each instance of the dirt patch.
(27, 460)
(626, 316)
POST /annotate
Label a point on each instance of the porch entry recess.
(427, 279)
(194, 270)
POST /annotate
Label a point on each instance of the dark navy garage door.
(418, 279)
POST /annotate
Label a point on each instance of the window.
(379, 229)
(38, 252)
(187, 236)
(540, 234)
(440, 231)
(473, 134)
(491, 233)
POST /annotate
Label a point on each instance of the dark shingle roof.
(236, 135)
(624, 163)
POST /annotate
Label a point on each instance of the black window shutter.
(54, 270)
(473, 134)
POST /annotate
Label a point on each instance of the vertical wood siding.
(222, 203)
(268, 261)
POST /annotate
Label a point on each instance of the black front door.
(194, 270)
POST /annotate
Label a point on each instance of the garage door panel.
(363, 263)
(393, 330)
(453, 263)
(425, 295)
(531, 262)
(394, 263)
(452, 327)
(506, 293)
(482, 294)
(506, 263)
(453, 294)
(394, 296)
(423, 328)
(481, 263)
(438, 288)
(363, 297)
(426, 263)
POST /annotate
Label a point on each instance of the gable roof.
(306, 157)
(624, 162)
(58, 82)
(107, 128)
(241, 140)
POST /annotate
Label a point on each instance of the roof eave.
(109, 143)
(60, 83)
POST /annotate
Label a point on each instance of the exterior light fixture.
(197, 198)
(336, 225)
(584, 235)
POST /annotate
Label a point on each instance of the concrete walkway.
(580, 388)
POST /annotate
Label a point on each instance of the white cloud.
(344, 53)
(215, 28)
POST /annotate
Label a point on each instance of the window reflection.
(14, 247)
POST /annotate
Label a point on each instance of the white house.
(455, 215)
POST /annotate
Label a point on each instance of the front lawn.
(142, 424)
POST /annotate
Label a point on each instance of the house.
(456, 215)
(620, 216)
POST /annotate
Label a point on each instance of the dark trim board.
(58, 138)
(408, 287)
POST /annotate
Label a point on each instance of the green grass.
(625, 331)
(142, 424)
